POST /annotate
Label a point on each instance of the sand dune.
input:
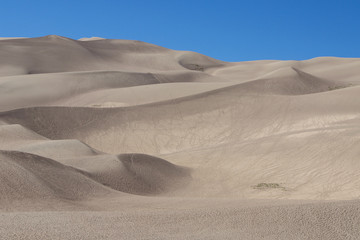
(182, 146)
(71, 55)
(28, 177)
(91, 88)
(142, 174)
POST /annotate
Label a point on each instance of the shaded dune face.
(82, 119)
(26, 176)
(291, 81)
(143, 174)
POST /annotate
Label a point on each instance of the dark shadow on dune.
(144, 175)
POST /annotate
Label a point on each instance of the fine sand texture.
(120, 139)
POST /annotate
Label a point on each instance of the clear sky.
(226, 30)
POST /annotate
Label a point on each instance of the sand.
(119, 139)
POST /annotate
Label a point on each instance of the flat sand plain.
(121, 139)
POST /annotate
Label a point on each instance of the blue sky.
(226, 30)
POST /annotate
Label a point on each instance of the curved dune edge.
(26, 176)
(143, 175)
(29, 176)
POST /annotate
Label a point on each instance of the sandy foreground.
(120, 139)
